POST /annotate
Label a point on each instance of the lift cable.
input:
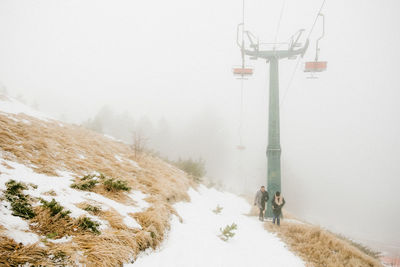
(316, 18)
(295, 69)
(241, 146)
(279, 23)
(241, 115)
(298, 60)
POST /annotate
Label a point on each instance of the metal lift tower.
(272, 56)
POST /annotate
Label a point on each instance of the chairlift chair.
(241, 147)
(242, 72)
(316, 66)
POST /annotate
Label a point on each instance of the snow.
(113, 138)
(132, 162)
(117, 157)
(12, 106)
(195, 243)
(61, 240)
(16, 227)
(139, 197)
(64, 194)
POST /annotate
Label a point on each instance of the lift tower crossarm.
(255, 52)
(278, 54)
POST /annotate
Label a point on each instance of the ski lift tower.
(272, 56)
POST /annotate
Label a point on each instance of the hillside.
(73, 197)
(121, 204)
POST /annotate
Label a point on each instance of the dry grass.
(90, 206)
(112, 248)
(155, 222)
(13, 254)
(52, 147)
(50, 193)
(319, 248)
(43, 224)
(121, 244)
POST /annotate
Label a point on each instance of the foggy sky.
(173, 59)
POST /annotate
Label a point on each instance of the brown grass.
(43, 224)
(155, 220)
(52, 147)
(114, 219)
(85, 204)
(319, 248)
(13, 254)
(120, 244)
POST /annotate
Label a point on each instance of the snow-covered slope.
(195, 242)
(10, 105)
(17, 228)
(47, 157)
(44, 158)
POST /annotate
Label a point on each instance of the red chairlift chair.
(317, 66)
(241, 147)
(242, 72)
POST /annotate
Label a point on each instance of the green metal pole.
(274, 146)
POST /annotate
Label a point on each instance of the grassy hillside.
(320, 248)
(105, 206)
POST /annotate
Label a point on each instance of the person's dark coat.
(277, 209)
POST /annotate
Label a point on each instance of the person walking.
(277, 203)
(260, 200)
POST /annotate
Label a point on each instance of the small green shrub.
(55, 208)
(101, 176)
(87, 224)
(14, 188)
(34, 186)
(195, 168)
(51, 235)
(218, 209)
(227, 232)
(86, 183)
(88, 177)
(60, 258)
(22, 208)
(19, 202)
(92, 209)
(112, 184)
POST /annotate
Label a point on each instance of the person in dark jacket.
(260, 200)
(277, 203)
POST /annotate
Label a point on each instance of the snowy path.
(195, 243)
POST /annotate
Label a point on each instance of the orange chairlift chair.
(317, 66)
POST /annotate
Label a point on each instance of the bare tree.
(139, 145)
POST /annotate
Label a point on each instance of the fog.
(165, 67)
